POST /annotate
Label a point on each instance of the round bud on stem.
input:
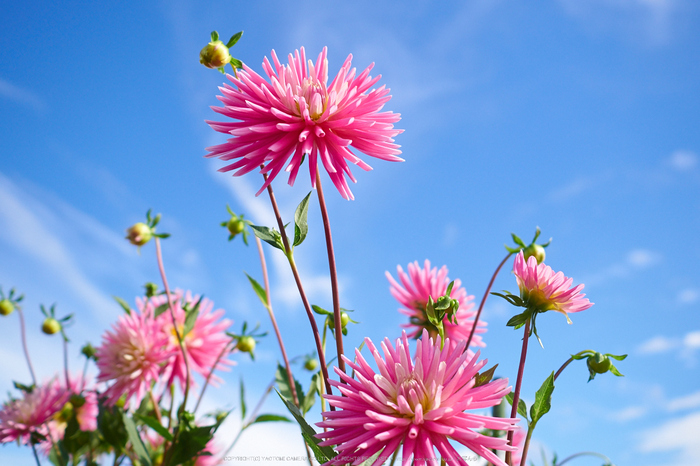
(214, 55)
(235, 226)
(310, 364)
(534, 250)
(6, 307)
(139, 234)
(50, 326)
(246, 344)
(598, 363)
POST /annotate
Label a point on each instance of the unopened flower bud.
(151, 289)
(246, 344)
(88, 351)
(344, 319)
(598, 363)
(214, 55)
(534, 250)
(310, 364)
(6, 307)
(50, 326)
(139, 234)
(235, 226)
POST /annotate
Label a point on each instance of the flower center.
(537, 299)
(414, 393)
(315, 96)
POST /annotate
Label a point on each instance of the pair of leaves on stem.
(301, 228)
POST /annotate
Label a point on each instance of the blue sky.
(578, 117)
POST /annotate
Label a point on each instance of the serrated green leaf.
(214, 36)
(301, 228)
(153, 423)
(522, 406)
(271, 418)
(243, 406)
(543, 399)
(234, 38)
(269, 235)
(323, 454)
(259, 290)
(123, 304)
(136, 442)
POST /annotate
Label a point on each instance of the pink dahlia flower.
(131, 356)
(419, 402)
(297, 114)
(204, 343)
(544, 290)
(32, 413)
(421, 283)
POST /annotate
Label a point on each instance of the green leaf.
(153, 423)
(110, 423)
(191, 441)
(191, 317)
(214, 36)
(522, 406)
(136, 442)
(271, 418)
(519, 320)
(269, 235)
(301, 228)
(234, 38)
(58, 454)
(161, 309)
(243, 407)
(283, 383)
(259, 290)
(24, 388)
(518, 241)
(310, 397)
(323, 454)
(543, 399)
(484, 377)
(123, 304)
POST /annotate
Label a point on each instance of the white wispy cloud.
(683, 160)
(663, 344)
(688, 296)
(21, 96)
(635, 260)
(679, 434)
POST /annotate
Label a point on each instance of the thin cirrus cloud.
(683, 160)
(22, 96)
(659, 344)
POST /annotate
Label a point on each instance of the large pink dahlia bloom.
(544, 290)
(421, 283)
(204, 343)
(297, 114)
(131, 356)
(32, 413)
(419, 402)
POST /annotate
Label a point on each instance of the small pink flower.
(297, 114)
(421, 283)
(131, 356)
(204, 343)
(544, 290)
(419, 402)
(32, 413)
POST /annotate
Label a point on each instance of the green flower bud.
(6, 307)
(50, 326)
(598, 363)
(214, 55)
(151, 289)
(88, 351)
(246, 344)
(235, 226)
(534, 250)
(139, 234)
(344, 319)
(310, 364)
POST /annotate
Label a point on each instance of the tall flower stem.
(211, 372)
(483, 300)
(65, 361)
(268, 306)
(300, 287)
(23, 334)
(36, 457)
(516, 393)
(333, 272)
(563, 366)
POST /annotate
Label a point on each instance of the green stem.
(516, 393)
(393, 457)
(36, 457)
(65, 361)
(23, 334)
(585, 453)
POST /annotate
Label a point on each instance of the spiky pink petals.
(204, 343)
(131, 356)
(544, 290)
(297, 114)
(21, 418)
(417, 286)
(420, 402)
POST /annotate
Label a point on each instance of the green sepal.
(518, 241)
(234, 38)
(222, 69)
(214, 36)
(320, 310)
(511, 298)
(543, 399)
(301, 227)
(236, 63)
(618, 358)
(616, 372)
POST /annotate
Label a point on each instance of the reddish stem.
(563, 366)
(23, 334)
(334, 274)
(518, 383)
(483, 300)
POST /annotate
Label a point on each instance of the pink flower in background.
(544, 290)
(297, 114)
(421, 283)
(419, 402)
(131, 356)
(518, 442)
(31, 413)
(204, 343)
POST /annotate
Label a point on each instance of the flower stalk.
(516, 393)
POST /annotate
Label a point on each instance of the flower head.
(204, 343)
(131, 356)
(298, 114)
(543, 290)
(421, 283)
(419, 402)
(21, 418)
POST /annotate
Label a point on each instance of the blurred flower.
(421, 283)
(543, 290)
(419, 403)
(20, 418)
(297, 114)
(518, 442)
(203, 343)
(131, 356)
